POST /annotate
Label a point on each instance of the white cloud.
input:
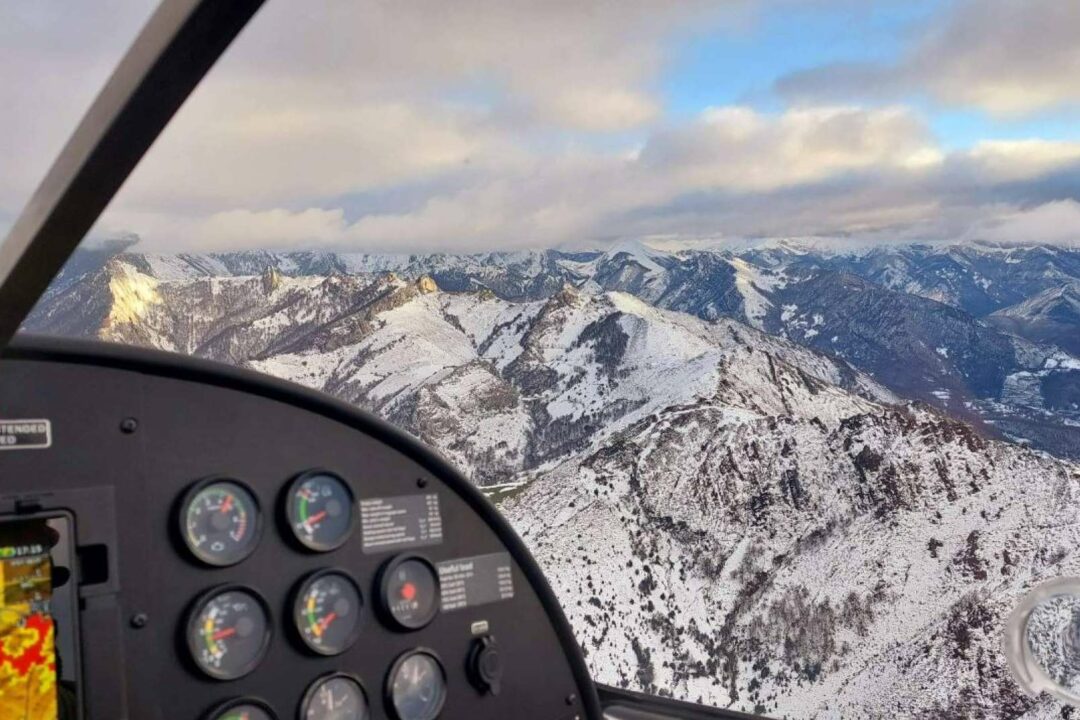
(275, 228)
(1055, 223)
(1007, 57)
(338, 82)
(739, 149)
(584, 65)
(1005, 160)
(238, 147)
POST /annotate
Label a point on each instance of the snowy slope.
(804, 567)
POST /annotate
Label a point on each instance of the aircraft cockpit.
(181, 539)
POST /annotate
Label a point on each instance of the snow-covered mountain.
(1051, 316)
(805, 567)
(501, 387)
(978, 278)
(901, 314)
(733, 506)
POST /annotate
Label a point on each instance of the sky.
(422, 125)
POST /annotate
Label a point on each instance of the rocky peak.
(271, 280)
(567, 296)
(426, 285)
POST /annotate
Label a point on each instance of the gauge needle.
(314, 519)
(222, 634)
(227, 505)
(325, 623)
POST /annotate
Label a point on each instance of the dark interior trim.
(621, 704)
(177, 47)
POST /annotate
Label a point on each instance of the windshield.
(759, 320)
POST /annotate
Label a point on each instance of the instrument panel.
(250, 550)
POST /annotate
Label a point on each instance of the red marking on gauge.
(408, 591)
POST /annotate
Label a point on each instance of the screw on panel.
(139, 620)
(421, 482)
(128, 425)
(571, 699)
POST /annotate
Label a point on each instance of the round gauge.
(220, 522)
(416, 686)
(409, 591)
(327, 612)
(334, 697)
(242, 709)
(228, 632)
(319, 507)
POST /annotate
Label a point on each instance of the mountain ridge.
(924, 344)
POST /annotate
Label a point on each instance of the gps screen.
(30, 687)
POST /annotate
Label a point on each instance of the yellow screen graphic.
(27, 636)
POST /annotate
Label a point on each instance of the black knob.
(485, 665)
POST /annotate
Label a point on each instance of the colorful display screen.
(30, 684)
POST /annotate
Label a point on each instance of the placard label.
(471, 581)
(406, 521)
(25, 434)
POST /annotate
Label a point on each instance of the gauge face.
(417, 686)
(242, 709)
(228, 632)
(327, 612)
(320, 510)
(220, 522)
(335, 697)
(409, 592)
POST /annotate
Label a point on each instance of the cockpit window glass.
(758, 319)
(54, 58)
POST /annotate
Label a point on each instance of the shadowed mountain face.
(767, 481)
(978, 279)
(1052, 316)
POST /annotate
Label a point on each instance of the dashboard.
(242, 549)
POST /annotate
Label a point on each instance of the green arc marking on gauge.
(310, 612)
(303, 509)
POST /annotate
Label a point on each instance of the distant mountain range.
(987, 334)
(782, 480)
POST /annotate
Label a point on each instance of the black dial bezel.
(388, 693)
(297, 596)
(382, 581)
(218, 710)
(289, 518)
(195, 610)
(189, 496)
(315, 684)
